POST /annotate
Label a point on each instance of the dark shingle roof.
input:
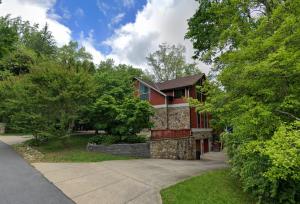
(179, 82)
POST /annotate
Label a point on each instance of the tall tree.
(256, 90)
(47, 101)
(169, 63)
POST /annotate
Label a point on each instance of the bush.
(134, 139)
(104, 139)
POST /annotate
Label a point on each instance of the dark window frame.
(179, 93)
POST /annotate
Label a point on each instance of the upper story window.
(179, 93)
(144, 92)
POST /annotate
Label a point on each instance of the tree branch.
(288, 114)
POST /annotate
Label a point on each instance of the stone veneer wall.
(172, 148)
(202, 134)
(179, 118)
(159, 118)
(132, 150)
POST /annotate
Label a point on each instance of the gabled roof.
(150, 85)
(172, 84)
(179, 82)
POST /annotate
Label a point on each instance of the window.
(203, 120)
(179, 93)
(144, 92)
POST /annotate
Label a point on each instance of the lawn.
(72, 149)
(214, 187)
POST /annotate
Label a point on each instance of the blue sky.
(99, 16)
(124, 30)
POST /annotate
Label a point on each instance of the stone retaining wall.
(132, 150)
(172, 148)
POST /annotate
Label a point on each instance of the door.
(205, 144)
(198, 149)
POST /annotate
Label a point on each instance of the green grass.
(72, 149)
(214, 187)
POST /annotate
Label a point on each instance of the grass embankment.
(71, 149)
(214, 187)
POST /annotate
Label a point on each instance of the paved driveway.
(131, 181)
(20, 183)
(11, 140)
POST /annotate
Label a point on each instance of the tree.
(256, 90)
(71, 56)
(116, 110)
(8, 35)
(47, 101)
(169, 63)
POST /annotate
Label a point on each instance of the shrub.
(104, 139)
(134, 139)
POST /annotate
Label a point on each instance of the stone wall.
(202, 134)
(159, 118)
(132, 150)
(172, 148)
(178, 117)
(2, 128)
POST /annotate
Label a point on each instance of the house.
(179, 132)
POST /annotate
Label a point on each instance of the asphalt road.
(20, 183)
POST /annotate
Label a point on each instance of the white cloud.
(103, 7)
(158, 22)
(79, 12)
(88, 42)
(38, 11)
(128, 3)
(115, 20)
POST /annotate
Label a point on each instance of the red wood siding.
(193, 118)
(161, 134)
(193, 92)
(156, 98)
(178, 101)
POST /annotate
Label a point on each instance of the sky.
(124, 30)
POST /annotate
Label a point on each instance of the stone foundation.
(172, 148)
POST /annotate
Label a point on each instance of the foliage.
(169, 63)
(71, 56)
(255, 89)
(116, 110)
(23, 46)
(46, 90)
(104, 139)
(215, 187)
(48, 101)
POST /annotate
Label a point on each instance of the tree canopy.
(169, 63)
(254, 47)
(48, 90)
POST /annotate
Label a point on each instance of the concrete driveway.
(11, 139)
(131, 181)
